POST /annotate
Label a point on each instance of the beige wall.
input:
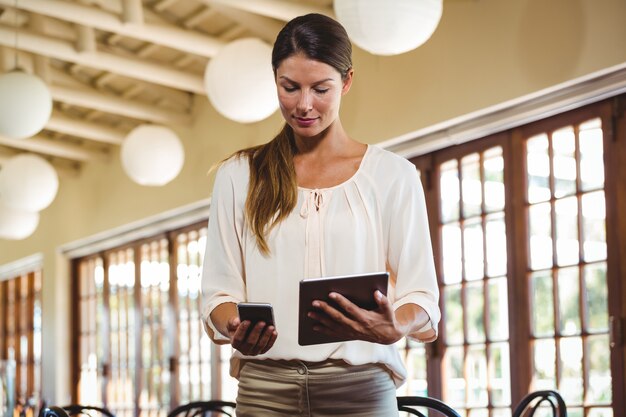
(484, 52)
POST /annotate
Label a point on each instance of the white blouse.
(374, 221)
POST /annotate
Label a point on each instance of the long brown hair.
(273, 190)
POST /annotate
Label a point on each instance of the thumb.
(380, 298)
(233, 323)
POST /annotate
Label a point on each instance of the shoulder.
(234, 168)
(388, 165)
(232, 174)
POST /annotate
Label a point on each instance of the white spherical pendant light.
(239, 81)
(17, 224)
(152, 155)
(389, 27)
(28, 182)
(25, 104)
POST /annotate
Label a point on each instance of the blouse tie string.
(314, 210)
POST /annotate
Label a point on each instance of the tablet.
(358, 288)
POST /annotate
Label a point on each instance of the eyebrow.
(296, 83)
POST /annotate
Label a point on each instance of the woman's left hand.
(377, 326)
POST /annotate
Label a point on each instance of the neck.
(331, 140)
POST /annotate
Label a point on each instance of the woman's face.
(309, 93)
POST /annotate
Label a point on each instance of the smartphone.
(256, 312)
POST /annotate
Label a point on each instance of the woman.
(314, 202)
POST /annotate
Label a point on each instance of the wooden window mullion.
(30, 329)
(614, 127)
(172, 322)
(106, 331)
(3, 307)
(138, 330)
(518, 256)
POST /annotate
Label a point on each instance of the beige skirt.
(330, 388)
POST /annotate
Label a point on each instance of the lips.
(305, 122)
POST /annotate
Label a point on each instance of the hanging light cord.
(17, 28)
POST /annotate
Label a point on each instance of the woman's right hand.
(251, 341)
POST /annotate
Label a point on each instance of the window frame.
(170, 308)
(613, 116)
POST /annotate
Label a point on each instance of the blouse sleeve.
(223, 278)
(410, 254)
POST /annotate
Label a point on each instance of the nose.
(305, 102)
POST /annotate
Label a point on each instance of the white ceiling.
(112, 65)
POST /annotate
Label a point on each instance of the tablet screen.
(357, 288)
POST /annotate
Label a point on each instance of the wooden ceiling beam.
(278, 9)
(132, 12)
(65, 169)
(49, 147)
(161, 34)
(130, 67)
(200, 17)
(117, 105)
(265, 27)
(87, 130)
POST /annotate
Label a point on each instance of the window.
(474, 290)
(566, 209)
(138, 331)
(20, 333)
(519, 224)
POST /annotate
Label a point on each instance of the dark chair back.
(531, 402)
(87, 411)
(406, 404)
(204, 409)
(53, 411)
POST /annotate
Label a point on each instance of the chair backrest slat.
(406, 404)
(203, 409)
(532, 402)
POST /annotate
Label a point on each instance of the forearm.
(410, 318)
(220, 316)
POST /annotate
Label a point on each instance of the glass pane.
(493, 166)
(569, 301)
(571, 356)
(229, 384)
(454, 388)
(564, 161)
(453, 318)
(540, 236)
(538, 166)
(598, 354)
(591, 155)
(121, 277)
(544, 369)
(594, 229)
(472, 190)
(500, 374)
(416, 368)
(542, 304)
(194, 345)
(596, 298)
(477, 376)
(498, 309)
(601, 412)
(501, 412)
(452, 259)
(475, 309)
(473, 250)
(450, 192)
(567, 250)
(495, 240)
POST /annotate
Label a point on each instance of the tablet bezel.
(358, 288)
